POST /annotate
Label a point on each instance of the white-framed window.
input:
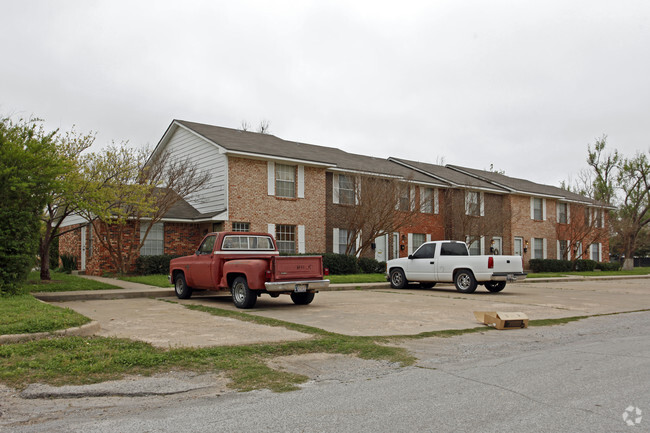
(426, 200)
(241, 227)
(154, 245)
(577, 249)
(563, 213)
(285, 180)
(596, 217)
(563, 252)
(539, 248)
(474, 203)
(417, 239)
(595, 252)
(474, 248)
(285, 236)
(538, 208)
(346, 189)
(341, 238)
(404, 198)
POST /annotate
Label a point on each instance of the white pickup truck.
(449, 261)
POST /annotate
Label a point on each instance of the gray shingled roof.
(453, 177)
(269, 145)
(523, 185)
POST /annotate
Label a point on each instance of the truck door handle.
(431, 263)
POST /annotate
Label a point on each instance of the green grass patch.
(635, 271)
(62, 282)
(24, 314)
(158, 280)
(357, 278)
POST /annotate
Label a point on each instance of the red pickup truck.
(247, 264)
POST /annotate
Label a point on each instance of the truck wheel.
(180, 287)
(495, 286)
(242, 296)
(465, 281)
(397, 279)
(302, 298)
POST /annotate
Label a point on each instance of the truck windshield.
(243, 242)
(453, 249)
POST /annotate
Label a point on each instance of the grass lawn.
(635, 271)
(23, 314)
(62, 282)
(158, 280)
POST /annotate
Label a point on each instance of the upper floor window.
(426, 200)
(473, 203)
(285, 236)
(155, 242)
(404, 198)
(537, 208)
(346, 189)
(285, 180)
(563, 213)
(241, 227)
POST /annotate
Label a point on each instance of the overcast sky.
(525, 86)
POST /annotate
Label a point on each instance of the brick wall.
(248, 201)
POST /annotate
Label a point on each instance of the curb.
(84, 330)
(89, 295)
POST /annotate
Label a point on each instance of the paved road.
(579, 377)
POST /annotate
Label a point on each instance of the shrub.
(550, 265)
(608, 266)
(68, 263)
(584, 265)
(371, 266)
(148, 265)
(340, 264)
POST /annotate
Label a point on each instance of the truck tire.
(397, 279)
(181, 288)
(242, 296)
(495, 286)
(302, 298)
(464, 281)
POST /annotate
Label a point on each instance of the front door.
(381, 248)
(519, 246)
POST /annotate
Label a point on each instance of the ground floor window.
(241, 227)
(154, 245)
(538, 248)
(285, 236)
(595, 252)
(343, 241)
(418, 239)
(563, 250)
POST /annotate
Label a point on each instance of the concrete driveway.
(358, 312)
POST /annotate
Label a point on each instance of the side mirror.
(410, 256)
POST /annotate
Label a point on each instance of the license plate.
(300, 288)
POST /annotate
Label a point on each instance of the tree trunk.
(46, 241)
(630, 244)
(628, 264)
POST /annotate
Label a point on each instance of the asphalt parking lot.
(373, 312)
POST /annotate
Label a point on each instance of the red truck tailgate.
(297, 268)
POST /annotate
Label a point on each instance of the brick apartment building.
(303, 193)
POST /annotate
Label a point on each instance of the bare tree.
(581, 230)
(378, 206)
(245, 126)
(264, 127)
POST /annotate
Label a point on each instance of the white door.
(497, 246)
(381, 248)
(519, 246)
(83, 249)
(395, 246)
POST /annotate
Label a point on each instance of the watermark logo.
(632, 416)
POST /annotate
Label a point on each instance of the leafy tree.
(29, 169)
(127, 189)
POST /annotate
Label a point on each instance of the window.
(404, 198)
(426, 251)
(418, 239)
(563, 250)
(538, 248)
(538, 209)
(595, 252)
(207, 245)
(598, 218)
(344, 241)
(562, 213)
(247, 243)
(241, 227)
(346, 189)
(426, 200)
(154, 244)
(472, 203)
(286, 238)
(453, 249)
(285, 180)
(475, 248)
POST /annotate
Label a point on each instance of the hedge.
(608, 266)
(148, 265)
(585, 265)
(340, 264)
(550, 265)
